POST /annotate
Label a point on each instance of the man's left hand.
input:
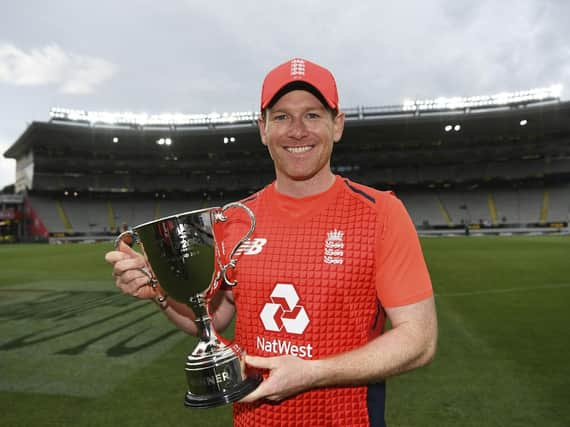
(288, 375)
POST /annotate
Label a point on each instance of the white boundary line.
(503, 291)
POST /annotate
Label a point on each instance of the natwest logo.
(283, 312)
(276, 346)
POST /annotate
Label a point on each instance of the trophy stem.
(203, 319)
(215, 371)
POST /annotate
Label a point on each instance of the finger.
(137, 287)
(128, 264)
(134, 274)
(266, 390)
(255, 395)
(259, 362)
(146, 292)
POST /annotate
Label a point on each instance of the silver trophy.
(187, 256)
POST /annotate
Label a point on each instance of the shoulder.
(253, 200)
(378, 198)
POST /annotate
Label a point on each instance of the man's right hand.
(129, 272)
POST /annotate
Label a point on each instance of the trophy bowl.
(187, 258)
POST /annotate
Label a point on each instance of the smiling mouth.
(298, 150)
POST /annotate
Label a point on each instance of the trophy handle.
(219, 216)
(129, 238)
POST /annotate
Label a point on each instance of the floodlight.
(556, 90)
(448, 128)
(457, 128)
(500, 99)
(144, 119)
(523, 122)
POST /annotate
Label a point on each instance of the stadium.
(494, 166)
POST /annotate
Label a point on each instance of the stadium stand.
(559, 209)
(47, 208)
(423, 208)
(488, 208)
(495, 167)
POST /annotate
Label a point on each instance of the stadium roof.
(364, 126)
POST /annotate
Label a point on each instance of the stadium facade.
(471, 165)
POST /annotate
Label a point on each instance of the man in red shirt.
(330, 260)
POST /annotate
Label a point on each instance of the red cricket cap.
(299, 70)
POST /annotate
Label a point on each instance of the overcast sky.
(193, 56)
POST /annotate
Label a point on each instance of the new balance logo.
(252, 246)
(283, 312)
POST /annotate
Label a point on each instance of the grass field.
(76, 352)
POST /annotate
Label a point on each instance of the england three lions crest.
(334, 247)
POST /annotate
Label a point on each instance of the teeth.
(298, 149)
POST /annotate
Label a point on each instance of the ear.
(338, 126)
(262, 131)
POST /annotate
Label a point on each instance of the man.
(330, 260)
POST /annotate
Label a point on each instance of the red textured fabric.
(309, 285)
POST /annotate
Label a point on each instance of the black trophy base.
(222, 397)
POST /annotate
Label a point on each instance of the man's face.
(299, 133)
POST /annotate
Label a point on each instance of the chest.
(324, 264)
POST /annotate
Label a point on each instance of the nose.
(298, 129)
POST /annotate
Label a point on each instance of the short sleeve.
(402, 276)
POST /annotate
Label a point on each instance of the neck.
(304, 188)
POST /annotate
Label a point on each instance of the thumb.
(126, 249)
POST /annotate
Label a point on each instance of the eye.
(313, 115)
(279, 117)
